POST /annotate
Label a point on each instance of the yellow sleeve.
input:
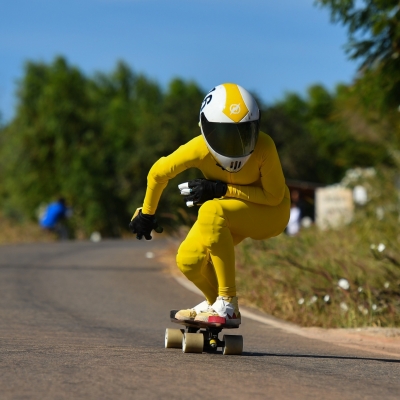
(272, 188)
(187, 156)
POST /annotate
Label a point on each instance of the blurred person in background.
(294, 223)
(53, 218)
(243, 195)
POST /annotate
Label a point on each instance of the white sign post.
(334, 207)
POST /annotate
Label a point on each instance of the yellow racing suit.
(256, 205)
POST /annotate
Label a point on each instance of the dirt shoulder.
(12, 232)
(376, 340)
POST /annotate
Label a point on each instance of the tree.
(41, 143)
(374, 39)
(124, 105)
(314, 138)
(92, 140)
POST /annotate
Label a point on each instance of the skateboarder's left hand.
(199, 191)
(143, 224)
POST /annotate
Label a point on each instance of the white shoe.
(225, 310)
(190, 313)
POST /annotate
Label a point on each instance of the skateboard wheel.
(233, 345)
(173, 338)
(192, 343)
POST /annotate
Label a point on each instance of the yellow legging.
(207, 256)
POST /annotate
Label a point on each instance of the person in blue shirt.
(53, 216)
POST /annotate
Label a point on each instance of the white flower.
(312, 300)
(360, 289)
(301, 301)
(369, 172)
(362, 309)
(380, 213)
(344, 284)
(149, 254)
(360, 195)
(374, 307)
(326, 298)
(344, 307)
(381, 247)
(386, 285)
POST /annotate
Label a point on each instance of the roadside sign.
(334, 207)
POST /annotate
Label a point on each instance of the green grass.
(303, 278)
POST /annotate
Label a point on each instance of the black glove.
(143, 224)
(202, 190)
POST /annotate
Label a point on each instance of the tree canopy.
(93, 139)
(373, 39)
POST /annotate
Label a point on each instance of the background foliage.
(348, 277)
(93, 139)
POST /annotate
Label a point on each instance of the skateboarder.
(243, 195)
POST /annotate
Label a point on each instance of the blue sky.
(267, 46)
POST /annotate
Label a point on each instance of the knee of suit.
(211, 222)
(190, 258)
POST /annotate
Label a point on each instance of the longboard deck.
(199, 324)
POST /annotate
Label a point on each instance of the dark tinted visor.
(229, 139)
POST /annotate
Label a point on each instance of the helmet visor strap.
(230, 139)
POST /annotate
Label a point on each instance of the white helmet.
(229, 123)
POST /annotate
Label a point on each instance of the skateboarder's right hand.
(143, 224)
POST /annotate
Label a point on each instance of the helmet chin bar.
(231, 165)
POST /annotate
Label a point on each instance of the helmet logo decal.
(234, 108)
(207, 100)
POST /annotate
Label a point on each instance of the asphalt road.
(82, 320)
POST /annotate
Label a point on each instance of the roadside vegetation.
(93, 140)
(347, 277)
(14, 232)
